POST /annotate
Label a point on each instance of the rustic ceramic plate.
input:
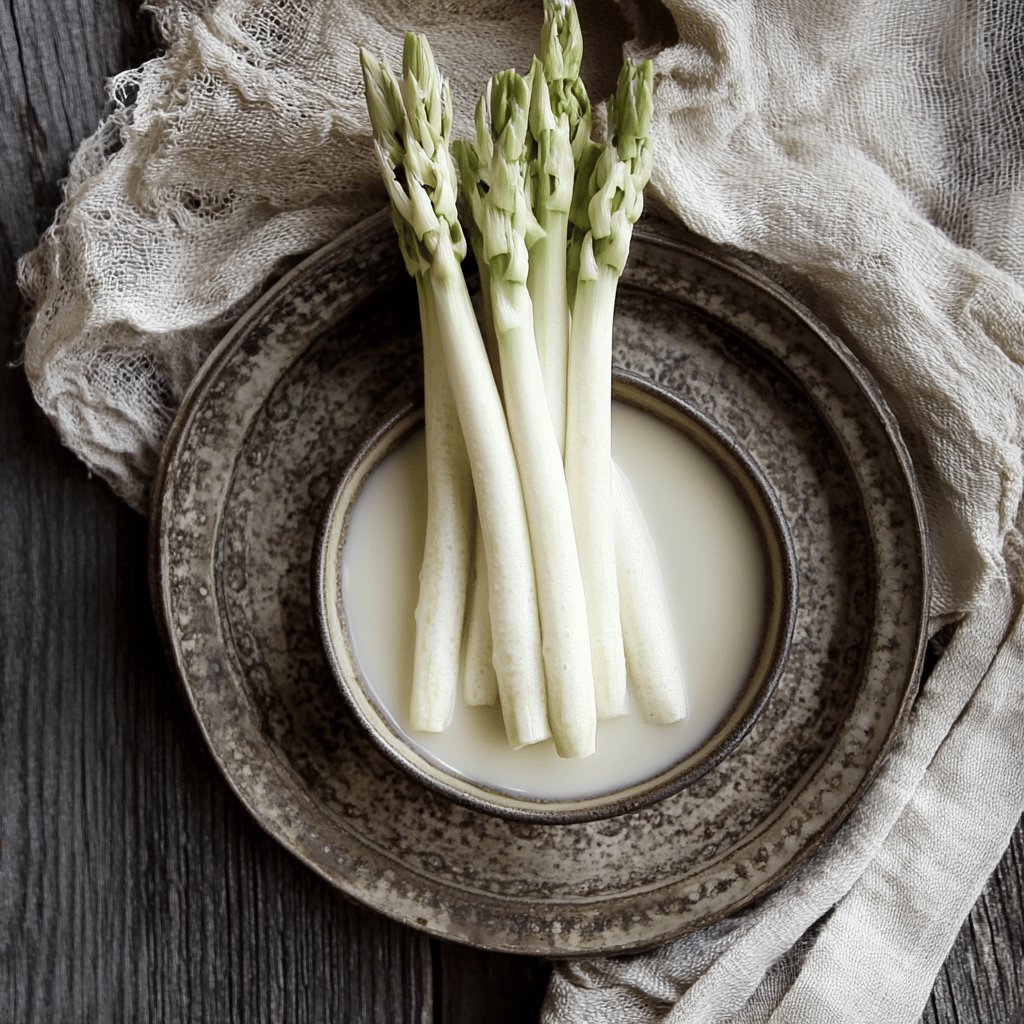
(256, 450)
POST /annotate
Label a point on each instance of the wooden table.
(133, 887)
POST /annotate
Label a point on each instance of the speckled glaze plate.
(263, 437)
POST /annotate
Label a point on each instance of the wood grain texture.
(983, 977)
(475, 986)
(133, 887)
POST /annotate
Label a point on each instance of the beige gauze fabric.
(869, 153)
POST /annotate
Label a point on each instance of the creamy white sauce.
(715, 575)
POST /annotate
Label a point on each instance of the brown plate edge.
(672, 236)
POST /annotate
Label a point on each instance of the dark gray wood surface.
(133, 887)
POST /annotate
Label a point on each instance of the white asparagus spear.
(479, 682)
(412, 124)
(448, 544)
(607, 200)
(494, 182)
(652, 655)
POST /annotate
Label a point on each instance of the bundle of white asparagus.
(541, 591)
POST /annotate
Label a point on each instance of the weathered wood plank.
(54, 60)
(475, 986)
(132, 884)
(137, 888)
(983, 977)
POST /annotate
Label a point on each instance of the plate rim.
(664, 234)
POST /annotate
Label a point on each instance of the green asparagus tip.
(411, 123)
(542, 117)
(561, 54)
(630, 109)
(384, 105)
(610, 179)
(495, 178)
(427, 98)
(553, 163)
(561, 41)
(510, 113)
(418, 58)
(466, 161)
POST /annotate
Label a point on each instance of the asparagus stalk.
(652, 660)
(498, 201)
(411, 125)
(440, 607)
(479, 682)
(551, 169)
(652, 657)
(607, 200)
(559, 129)
(561, 53)
(445, 568)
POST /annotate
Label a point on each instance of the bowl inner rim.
(762, 504)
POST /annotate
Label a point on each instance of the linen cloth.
(870, 154)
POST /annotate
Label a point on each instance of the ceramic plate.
(260, 442)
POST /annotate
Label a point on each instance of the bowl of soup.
(730, 575)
